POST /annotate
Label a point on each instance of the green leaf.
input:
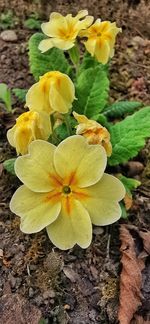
(124, 214)
(128, 136)
(129, 183)
(53, 59)
(88, 61)
(61, 132)
(20, 94)
(32, 23)
(118, 109)
(91, 91)
(5, 96)
(9, 165)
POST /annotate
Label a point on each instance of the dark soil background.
(38, 282)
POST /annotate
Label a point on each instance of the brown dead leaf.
(139, 320)
(16, 309)
(128, 201)
(133, 263)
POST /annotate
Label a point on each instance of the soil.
(76, 286)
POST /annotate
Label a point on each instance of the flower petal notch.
(101, 38)
(94, 132)
(65, 190)
(63, 31)
(54, 92)
(29, 126)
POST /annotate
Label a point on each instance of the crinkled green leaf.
(89, 61)
(20, 94)
(40, 63)
(5, 96)
(9, 165)
(92, 88)
(129, 183)
(118, 109)
(129, 135)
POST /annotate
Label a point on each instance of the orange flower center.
(66, 190)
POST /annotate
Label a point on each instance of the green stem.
(52, 120)
(68, 126)
(74, 55)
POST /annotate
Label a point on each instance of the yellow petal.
(80, 118)
(76, 158)
(37, 99)
(102, 51)
(90, 46)
(45, 45)
(10, 136)
(63, 44)
(35, 211)
(71, 229)
(81, 14)
(36, 169)
(102, 203)
(45, 125)
(62, 94)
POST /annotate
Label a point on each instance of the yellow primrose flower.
(29, 126)
(54, 92)
(93, 131)
(101, 39)
(63, 30)
(66, 190)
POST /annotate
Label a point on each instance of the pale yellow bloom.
(54, 92)
(101, 39)
(29, 126)
(66, 190)
(94, 132)
(63, 31)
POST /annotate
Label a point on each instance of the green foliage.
(61, 131)
(92, 88)
(20, 94)
(74, 54)
(128, 136)
(101, 119)
(124, 214)
(118, 109)
(33, 22)
(9, 165)
(129, 183)
(43, 321)
(52, 60)
(90, 62)
(5, 96)
(7, 20)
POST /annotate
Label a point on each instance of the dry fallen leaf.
(133, 262)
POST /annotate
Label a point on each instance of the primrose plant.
(67, 137)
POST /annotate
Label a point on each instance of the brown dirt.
(77, 286)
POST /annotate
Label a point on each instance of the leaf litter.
(135, 249)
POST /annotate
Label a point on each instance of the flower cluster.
(63, 32)
(64, 186)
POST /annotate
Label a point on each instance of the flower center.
(66, 190)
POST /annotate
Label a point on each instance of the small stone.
(1, 253)
(9, 36)
(31, 292)
(48, 294)
(12, 280)
(98, 230)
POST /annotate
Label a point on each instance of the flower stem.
(67, 122)
(74, 55)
